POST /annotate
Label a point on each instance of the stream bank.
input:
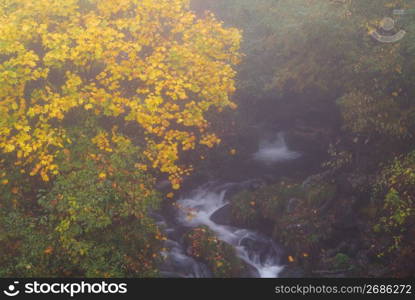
(200, 245)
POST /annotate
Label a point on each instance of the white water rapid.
(196, 209)
(256, 250)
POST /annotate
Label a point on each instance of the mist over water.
(274, 150)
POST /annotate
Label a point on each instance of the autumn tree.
(96, 97)
(150, 64)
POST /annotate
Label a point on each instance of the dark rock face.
(347, 221)
(349, 184)
(255, 184)
(344, 185)
(222, 216)
(315, 179)
(293, 204)
(312, 139)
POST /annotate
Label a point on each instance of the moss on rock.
(220, 257)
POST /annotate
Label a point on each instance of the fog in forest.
(207, 138)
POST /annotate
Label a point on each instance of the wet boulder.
(222, 216)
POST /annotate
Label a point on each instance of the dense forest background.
(102, 101)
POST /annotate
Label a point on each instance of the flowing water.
(196, 209)
(274, 151)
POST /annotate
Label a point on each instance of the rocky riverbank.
(325, 223)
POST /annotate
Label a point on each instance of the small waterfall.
(255, 249)
(274, 150)
(196, 209)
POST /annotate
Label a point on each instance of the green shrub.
(92, 220)
(218, 255)
(341, 261)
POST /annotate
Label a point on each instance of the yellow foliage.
(48, 250)
(181, 66)
(102, 142)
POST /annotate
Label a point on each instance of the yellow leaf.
(10, 148)
(48, 250)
